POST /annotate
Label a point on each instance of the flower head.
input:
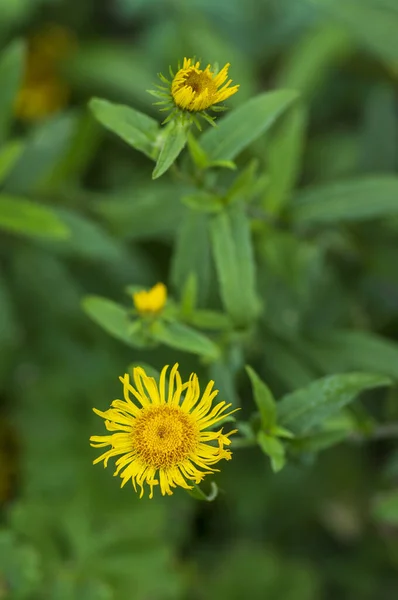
(160, 432)
(151, 302)
(194, 90)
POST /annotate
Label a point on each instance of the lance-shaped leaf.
(18, 215)
(182, 337)
(174, 139)
(45, 149)
(9, 154)
(360, 350)
(306, 408)
(245, 124)
(115, 320)
(192, 254)
(264, 399)
(233, 256)
(273, 448)
(284, 154)
(360, 199)
(134, 127)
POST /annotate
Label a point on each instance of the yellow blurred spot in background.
(43, 90)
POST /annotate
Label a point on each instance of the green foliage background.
(287, 264)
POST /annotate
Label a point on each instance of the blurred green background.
(327, 525)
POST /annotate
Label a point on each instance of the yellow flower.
(151, 302)
(194, 90)
(37, 100)
(161, 436)
(43, 91)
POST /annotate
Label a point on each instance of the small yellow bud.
(151, 302)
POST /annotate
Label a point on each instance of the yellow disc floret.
(164, 436)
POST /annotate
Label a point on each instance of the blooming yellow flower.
(43, 91)
(151, 302)
(193, 90)
(161, 435)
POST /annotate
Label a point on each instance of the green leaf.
(379, 139)
(284, 152)
(264, 399)
(223, 164)
(137, 129)
(189, 296)
(233, 256)
(114, 319)
(245, 124)
(198, 155)
(84, 143)
(308, 407)
(122, 69)
(45, 148)
(199, 494)
(200, 158)
(318, 441)
(273, 448)
(182, 337)
(28, 218)
(204, 202)
(11, 72)
(385, 508)
(191, 253)
(243, 182)
(173, 141)
(20, 568)
(353, 200)
(143, 212)
(87, 239)
(282, 432)
(244, 255)
(338, 350)
(9, 154)
(210, 319)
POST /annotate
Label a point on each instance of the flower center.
(200, 82)
(164, 436)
